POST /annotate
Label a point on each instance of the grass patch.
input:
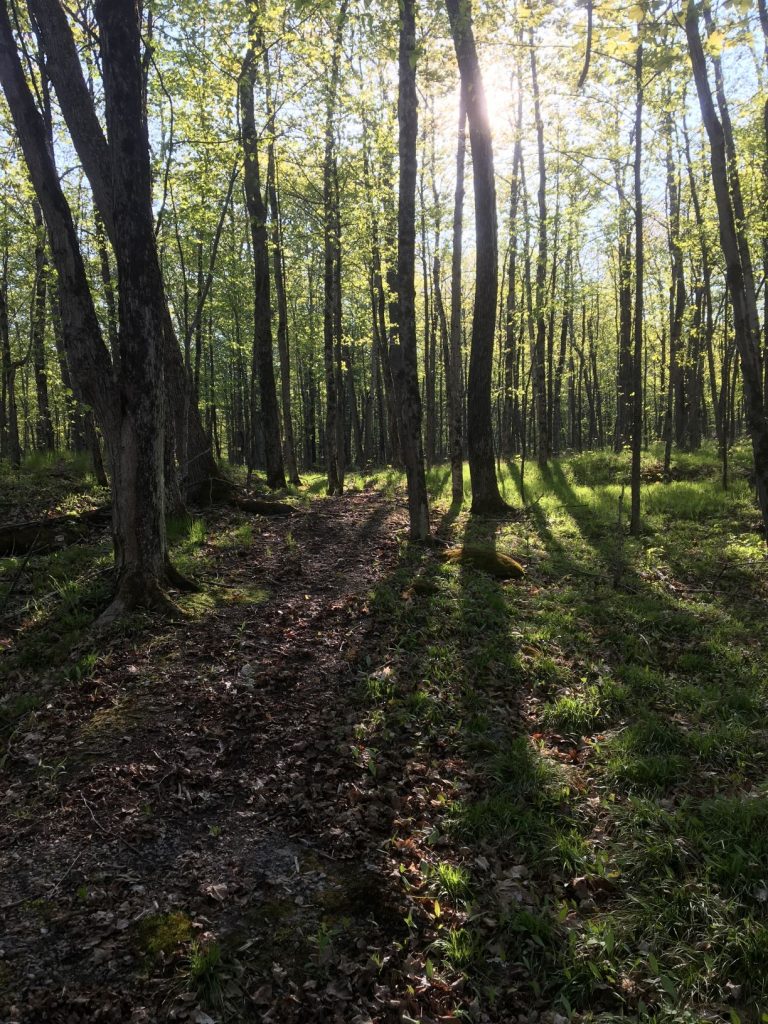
(161, 935)
(609, 711)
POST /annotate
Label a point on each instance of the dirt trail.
(189, 801)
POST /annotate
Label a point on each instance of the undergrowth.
(610, 713)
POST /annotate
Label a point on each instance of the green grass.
(611, 713)
(603, 720)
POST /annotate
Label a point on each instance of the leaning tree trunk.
(404, 353)
(486, 498)
(199, 471)
(740, 284)
(128, 406)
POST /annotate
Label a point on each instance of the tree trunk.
(539, 365)
(334, 453)
(45, 440)
(486, 498)
(198, 469)
(10, 418)
(637, 355)
(278, 262)
(403, 355)
(263, 366)
(129, 406)
(455, 417)
(740, 282)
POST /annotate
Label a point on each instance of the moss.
(161, 934)
(496, 563)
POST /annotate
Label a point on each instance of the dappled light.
(383, 512)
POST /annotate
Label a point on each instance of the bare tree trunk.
(404, 353)
(10, 417)
(45, 439)
(198, 469)
(263, 366)
(129, 405)
(735, 252)
(486, 498)
(622, 431)
(334, 453)
(510, 426)
(454, 369)
(637, 355)
(278, 262)
(539, 365)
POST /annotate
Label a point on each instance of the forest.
(383, 511)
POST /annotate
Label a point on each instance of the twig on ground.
(106, 832)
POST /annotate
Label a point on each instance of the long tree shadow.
(399, 809)
(511, 678)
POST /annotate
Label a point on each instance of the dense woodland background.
(281, 279)
(291, 729)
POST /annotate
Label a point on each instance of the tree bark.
(278, 263)
(9, 442)
(637, 354)
(129, 404)
(486, 498)
(45, 439)
(539, 365)
(198, 469)
(263, 367)
(455, 417)
(740, 284)
(334, 451)
(403, 354)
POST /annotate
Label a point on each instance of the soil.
(185, 833)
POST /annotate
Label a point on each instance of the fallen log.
(495, 563)
(40, 535)
(262, 506)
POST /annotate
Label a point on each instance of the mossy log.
(495, 563)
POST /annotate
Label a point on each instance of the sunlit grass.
(641, 754)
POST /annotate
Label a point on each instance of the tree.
(637, 353)
(263, 369)
(739, 277)
(403, 354)
(486, 499)
(544, 441)
(198, 468)
(334, 416)
(127, 397)
(455, 416)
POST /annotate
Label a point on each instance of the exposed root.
(491, 509)
(179, 581)
(135, 593)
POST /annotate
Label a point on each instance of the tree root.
(137, 593)
(179, 581)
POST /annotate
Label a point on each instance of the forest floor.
(358, 784)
